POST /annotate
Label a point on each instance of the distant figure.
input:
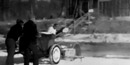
(51, 29)
(10, 42)
(28, 42)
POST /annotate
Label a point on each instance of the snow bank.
(96, 37)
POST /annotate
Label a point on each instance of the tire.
(55, 54)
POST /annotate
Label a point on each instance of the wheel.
(55, 54)
(77, 49)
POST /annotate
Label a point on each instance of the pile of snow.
(96, 37)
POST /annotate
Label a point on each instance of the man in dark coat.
(28, 42)
(10, 42)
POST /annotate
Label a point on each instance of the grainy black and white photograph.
(65, 32)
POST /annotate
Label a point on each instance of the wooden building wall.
(114, 8)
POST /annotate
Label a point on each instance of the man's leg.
(10, 44)
(34, 49)
(26, 57)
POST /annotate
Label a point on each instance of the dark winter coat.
(15, 32)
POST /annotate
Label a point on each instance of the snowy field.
(84, 61)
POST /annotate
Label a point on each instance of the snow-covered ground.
(101, 54)
(83, 61)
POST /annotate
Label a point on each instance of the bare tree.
(4, 8)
